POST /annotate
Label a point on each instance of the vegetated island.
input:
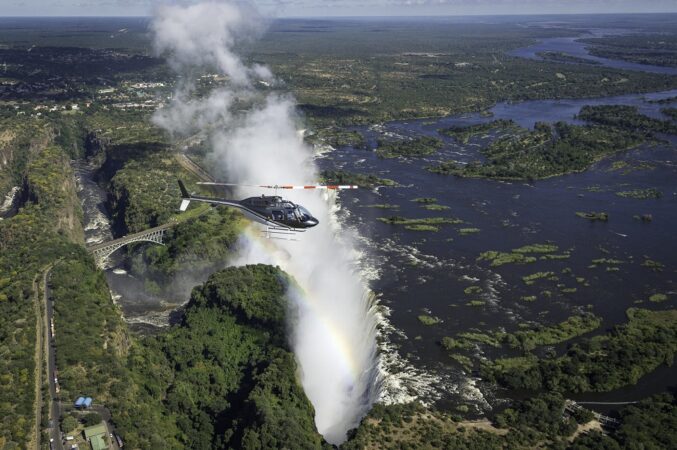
(561, 148)
(625, 118)
(359, 179)
(421, 224)
(422, 146)
(562, 57)
(464, 134)
(654, 49)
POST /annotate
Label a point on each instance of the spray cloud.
(333, 333)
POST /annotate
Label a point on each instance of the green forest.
(224, 377)
(548, 150)
(600, 363)
(41, 233)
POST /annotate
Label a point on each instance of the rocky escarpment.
(50, 181)
(19, 144)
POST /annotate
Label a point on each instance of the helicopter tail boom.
(185, 201)
(336, 187)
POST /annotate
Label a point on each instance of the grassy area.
(476, 303)
(434, 207)
(472, 290)
(521, 255)
(430, 221)
(531, 279)
(421, 227)
(467, 231)
(641, 194)
(655, 266)
(594, 216)
(658, 297)
(424, 200)
(429, 320)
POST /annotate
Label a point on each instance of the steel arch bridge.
(102, 251)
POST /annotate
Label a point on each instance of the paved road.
(55, 408)
(39, 362)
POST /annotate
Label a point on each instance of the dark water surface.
(427, 272)
(572, 46)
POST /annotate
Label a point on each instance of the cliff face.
(18, 145)
(95, 147)
(50, 183)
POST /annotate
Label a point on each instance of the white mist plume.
(334, 332)
(204, 34)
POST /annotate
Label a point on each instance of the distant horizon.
(393, 16)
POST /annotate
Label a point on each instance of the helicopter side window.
(277, 215)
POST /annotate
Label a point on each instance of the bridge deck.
(130, 237)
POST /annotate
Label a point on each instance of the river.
(574, 47)
(427, 272)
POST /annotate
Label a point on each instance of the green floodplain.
(224, 376)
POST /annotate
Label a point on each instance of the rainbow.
(253, 236)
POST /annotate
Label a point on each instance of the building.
(96, 436)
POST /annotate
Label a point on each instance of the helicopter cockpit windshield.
(304, 213)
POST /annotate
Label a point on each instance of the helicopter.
(277, 214)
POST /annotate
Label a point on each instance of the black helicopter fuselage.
(280, 211)
(272, 210)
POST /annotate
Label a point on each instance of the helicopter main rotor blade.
(285, 186)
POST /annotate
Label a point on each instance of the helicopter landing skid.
(285, 234)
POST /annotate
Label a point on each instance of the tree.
(92, 419)
(68, 424)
